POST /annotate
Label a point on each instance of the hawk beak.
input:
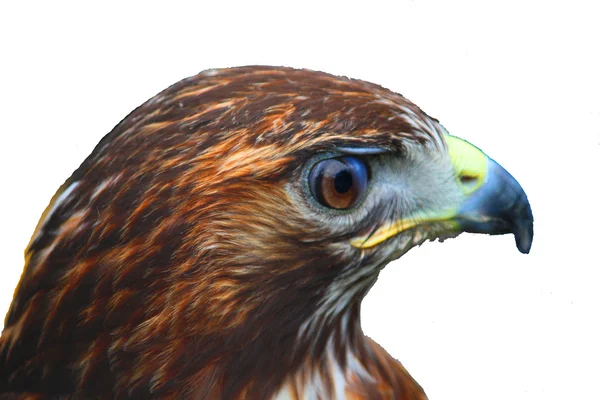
(499, 206)
(493, 202)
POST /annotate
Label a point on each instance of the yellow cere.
(470, 166)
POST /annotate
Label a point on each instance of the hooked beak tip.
(523, 227)
(498, 207)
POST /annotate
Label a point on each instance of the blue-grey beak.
(499, 206)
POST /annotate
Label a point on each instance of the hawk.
(218, 242)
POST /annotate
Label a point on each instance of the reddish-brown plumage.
(180, 263)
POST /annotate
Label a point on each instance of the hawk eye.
(339, 182)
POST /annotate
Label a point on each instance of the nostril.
(468, 179)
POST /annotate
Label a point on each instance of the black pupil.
(343, 181)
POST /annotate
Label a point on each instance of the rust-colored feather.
(175, 263)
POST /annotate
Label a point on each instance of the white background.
(470, 318)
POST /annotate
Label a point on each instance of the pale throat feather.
(336, 370)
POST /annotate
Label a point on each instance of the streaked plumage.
(186, 257)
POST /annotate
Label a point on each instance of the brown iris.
(339, 182)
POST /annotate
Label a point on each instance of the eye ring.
(339, 183)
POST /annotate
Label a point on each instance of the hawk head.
(219, 241)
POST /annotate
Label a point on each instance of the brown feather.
(178, 264)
